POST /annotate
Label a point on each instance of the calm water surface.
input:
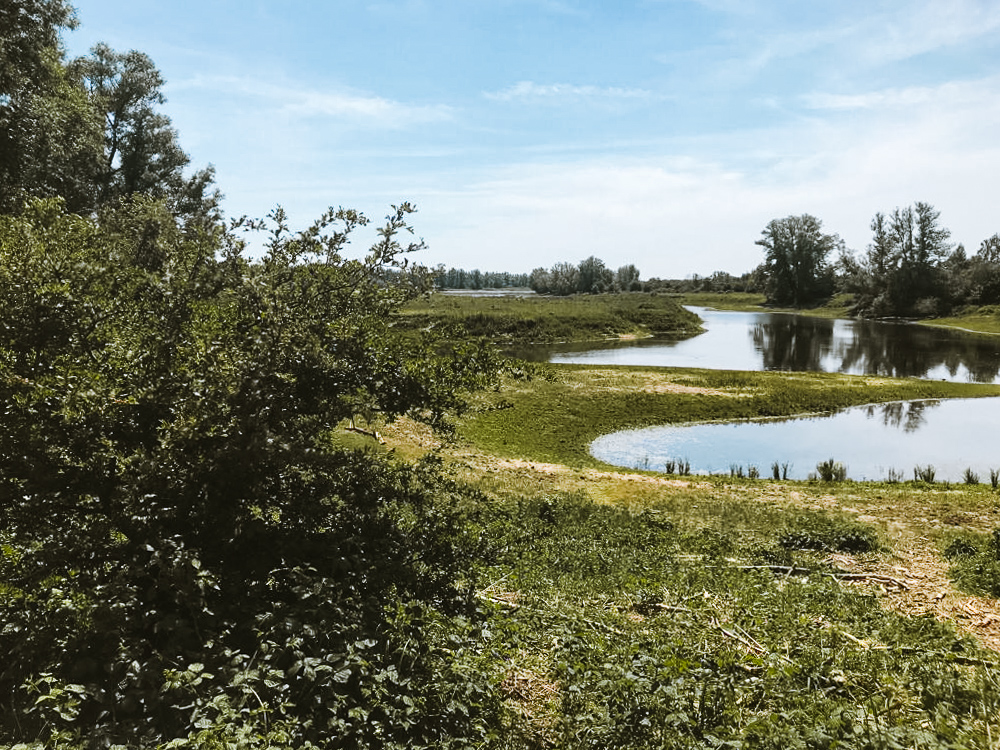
(873, 441)
(951, 435)
(784, 341)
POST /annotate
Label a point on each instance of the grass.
(837, 307)
(525, 320)
(628, 609)
(633, 609)
(984, 319)
(556, 419)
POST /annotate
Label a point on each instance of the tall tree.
(49, 136)
(796, 252)
(142, 154)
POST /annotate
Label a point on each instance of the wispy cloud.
(364, 109)
(531, 91)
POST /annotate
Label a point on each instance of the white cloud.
(297, 102)
(696, 206)
(529, 90)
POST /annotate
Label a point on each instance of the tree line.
(459, 278)
(590, 276)
(910, 268)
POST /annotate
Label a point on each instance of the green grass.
(524, 320)
(837, 307)
(976, 319)
(620, 627)
(556, 419)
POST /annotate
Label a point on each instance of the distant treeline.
(459, 278)
(592, 276)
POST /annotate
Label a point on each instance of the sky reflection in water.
(872, 441)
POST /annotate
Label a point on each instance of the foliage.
(87, 131)
(526, 320)
(184, 550)
(49, 134)
(816, 531)
(975, 563)
(901, 272)
(591, 276)
(795, 263)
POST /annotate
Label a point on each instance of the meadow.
(643, 609)
(536, 319)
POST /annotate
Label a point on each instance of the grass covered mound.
(556, 418)
(530, 320)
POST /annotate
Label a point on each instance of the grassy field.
(554, 419)
(837, 307)
(634, 609)
(975, 319)
(526, 320)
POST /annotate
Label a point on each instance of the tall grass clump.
(975, 563)
(994, 478)
(815, 531)
(924, 473)
(970, 477)
(831, 471)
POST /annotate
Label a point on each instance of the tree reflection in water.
(906, 415)
(792, 342)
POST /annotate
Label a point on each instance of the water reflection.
(907, 416)
(779, 341)
(874, 442)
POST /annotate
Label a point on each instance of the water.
(871, 441)
(784, 341)
(874, 442)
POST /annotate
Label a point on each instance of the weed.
(831, 471)
(924, 474)
(970, 477)
(975, 563)
(776, 470)
(894, 476)
(821, 532)
(994, 478)
(753, 472)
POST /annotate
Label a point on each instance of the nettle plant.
(185, 555)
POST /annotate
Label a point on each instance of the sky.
(663, 133)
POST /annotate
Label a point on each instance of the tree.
(141, 151)
(795, 262)
(185, 552)
(627, 279)
(49, 136)
(594, 277)
(902, 272)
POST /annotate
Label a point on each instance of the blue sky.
(664, 133)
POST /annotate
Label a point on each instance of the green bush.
(185, 554)
(820, 532)
(975, 563)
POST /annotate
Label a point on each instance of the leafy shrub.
(975, 563)
(185, 552)
(821, 532)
